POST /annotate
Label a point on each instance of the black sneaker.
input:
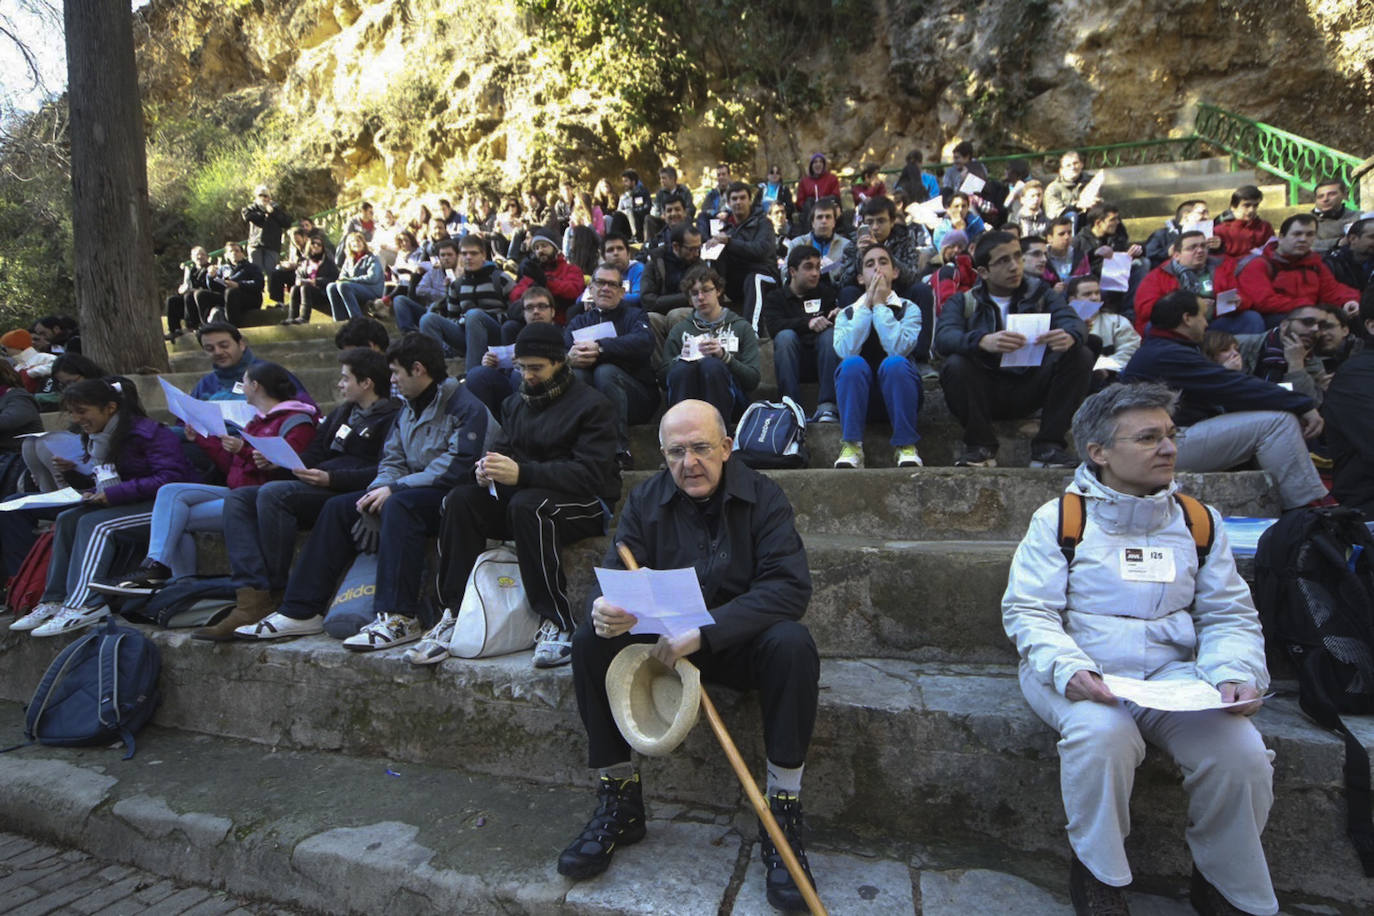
(148, 578)
(1052, 456)
(1093, 898)
(618, 821)
(1207, 900)
(783, 893)
(977, 456)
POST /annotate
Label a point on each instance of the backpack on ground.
(101, 688)
(1315, 594)
(772, 434)
(209, 597)
(1073, 519)
(26, 587)
(495, 617)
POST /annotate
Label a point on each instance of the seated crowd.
(1019, 298)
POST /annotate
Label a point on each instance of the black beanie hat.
(543, 339)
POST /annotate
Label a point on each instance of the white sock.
(784, 779)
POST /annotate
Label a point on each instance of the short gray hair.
(1096, 418)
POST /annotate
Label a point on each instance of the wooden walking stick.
(746, 779)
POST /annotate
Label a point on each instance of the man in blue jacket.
(617, 361)
(1227, 417)
(972, 334)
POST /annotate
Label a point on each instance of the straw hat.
(654, 707)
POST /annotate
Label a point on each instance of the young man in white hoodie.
(1139, 597)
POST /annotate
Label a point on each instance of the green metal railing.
(1297, 160)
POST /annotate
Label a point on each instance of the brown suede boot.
(252, 605)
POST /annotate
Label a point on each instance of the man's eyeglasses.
(677, 453)
(1315, 323)
(1151, 440)
(606, 284)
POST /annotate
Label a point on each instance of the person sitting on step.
(874, 339)
(1132, 591)
(435, 441)
(756, 585)
(182, 508)
(548, 479)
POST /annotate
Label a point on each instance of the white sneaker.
(433, 647)
(386, 631)
(71, 619)
(41, 614)
(552, 647)
(278, 626)
(906, 457)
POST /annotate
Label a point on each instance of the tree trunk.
(119, 313)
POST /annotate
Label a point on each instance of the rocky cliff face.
(426, 95)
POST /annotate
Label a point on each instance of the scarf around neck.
(540, 395)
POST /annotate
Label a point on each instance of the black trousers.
(977, 394)
(279, 280)
(304, 299)
(540, 522)
(182, 307)
(781, 663)
(234, 302)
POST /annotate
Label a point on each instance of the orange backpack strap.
(1071, 521)
(1199, 522)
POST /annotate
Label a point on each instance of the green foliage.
(35, 220)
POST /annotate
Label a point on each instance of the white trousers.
(1228, 774)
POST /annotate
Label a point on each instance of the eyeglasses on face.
(1151, 440)
(677, 453)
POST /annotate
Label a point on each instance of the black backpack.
(772, 434)
(99, 689)
(1315, 595)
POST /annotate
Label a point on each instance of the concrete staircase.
(329, 782)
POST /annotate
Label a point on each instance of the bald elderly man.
(735, 526)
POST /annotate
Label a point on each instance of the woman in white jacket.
(1168, 618)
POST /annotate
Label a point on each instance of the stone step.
(902, 752)
(431, 840)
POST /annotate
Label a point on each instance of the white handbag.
(495, 617)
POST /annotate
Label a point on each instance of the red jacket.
(1240, 238)
(1275, 285)
(809, 188)
(959, 277)
(1163, 280)
(564, 280)
(238, 468)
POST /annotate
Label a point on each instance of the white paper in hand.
(202, 416)
(1116, 273)
(1228, 301)
(240, 413)
(691, 347)
(64, 497)
(971, 184)
(1182, 695)
(505, 356)
(276, 450)
(712, 250)
(664, 601)
(1030, 326)
(594, 332)
(1204, 226)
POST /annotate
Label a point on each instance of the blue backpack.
(101, 688)
(772, 434)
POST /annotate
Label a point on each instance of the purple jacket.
(151, 457)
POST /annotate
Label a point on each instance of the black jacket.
(265, 229)
(751, 250)
(1347, 270)
(632, 349)
(568, 447)
(660, 287)
(1349, 413)
(1207, 389)
(956, 334)
(784, 310)
(753, 574)
(351, 459)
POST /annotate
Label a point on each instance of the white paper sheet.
(505, 356)
(202, 416)
(712, 250)
(1116, 273)
(67, 446)
(1228, 301)
(664, 601)
(1086, 308)
(276, 450)
(1182, 695)
(64, 497)
(1092, 190)
(594, 332)
(972, 184)
(717, 226)
(1203, 226)
(1031, 325)
(1106, 364)
(240, 413)
(691, 351)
